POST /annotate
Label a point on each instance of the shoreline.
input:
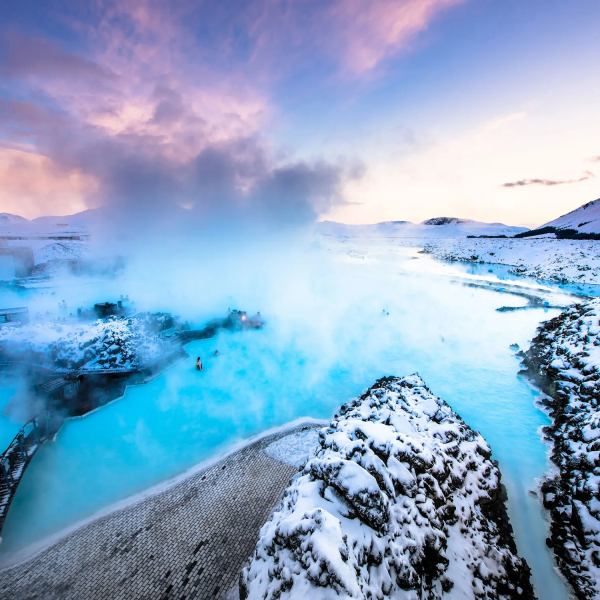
(29, 552)
(556, 363)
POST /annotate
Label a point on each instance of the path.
(189, 541)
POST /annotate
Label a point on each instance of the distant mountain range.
(431, 228)
(585, 220)
(78, 222)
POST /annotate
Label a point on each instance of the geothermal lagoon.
(361, 313)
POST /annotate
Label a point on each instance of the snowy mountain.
(79, 220)
(585, 219)
(6, 219)
(76, 223)
(439, 227)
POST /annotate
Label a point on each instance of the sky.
(284, 112)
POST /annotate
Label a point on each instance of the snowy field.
(348, 316)
(545, 258)
(46, 250)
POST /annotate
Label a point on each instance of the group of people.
(199, 361)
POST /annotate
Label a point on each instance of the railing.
(21, 449)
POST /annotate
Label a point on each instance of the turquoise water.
(502, 272)
(326, 340)
(9, 425)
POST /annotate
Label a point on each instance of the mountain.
(82, 219)
(439, 227)
(78, 223)
(585, 219)
(8, 219)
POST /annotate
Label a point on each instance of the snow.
(295, 449)
(441, 227)
(382, 512)
(6, 219)
(51, 238)
(112, 343)
(567, 352)
(574, 261)
(585, 219)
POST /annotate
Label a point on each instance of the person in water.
(216, 353)
(199, 364)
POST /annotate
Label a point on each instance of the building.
(14, 316)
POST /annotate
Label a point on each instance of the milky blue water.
(502, 273)
(9, 425)
(328, 340)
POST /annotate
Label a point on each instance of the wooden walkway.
(18, 455)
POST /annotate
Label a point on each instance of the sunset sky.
(368, 110)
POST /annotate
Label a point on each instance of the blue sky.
(405, 109)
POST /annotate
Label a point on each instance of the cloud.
(135, 108)
(503, 121)
(373, 30)
(225, 185)
(28, 56)
(31, 184)
(547, 182)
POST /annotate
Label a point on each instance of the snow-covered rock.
(113, 343)
(441, 227)
(400, 501)
(576, 261)
(564, 359)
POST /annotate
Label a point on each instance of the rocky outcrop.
(111, 343)
(401, 500)
(564, 360)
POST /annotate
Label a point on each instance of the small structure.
(106, 309)
(14, 316)
(23, 259)
(238, 319)
(61, 389)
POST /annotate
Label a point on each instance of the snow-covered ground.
(565, 359)
(401, 500)
(49, 250)
(51, 238)
(546, 258)
(112, 343)
(295, 449)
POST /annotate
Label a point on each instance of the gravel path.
(189, 541)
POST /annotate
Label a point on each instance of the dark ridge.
(561, 234)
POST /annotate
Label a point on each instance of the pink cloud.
(32, 183)
(373, 30)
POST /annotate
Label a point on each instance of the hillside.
(585, 219)
(78, 222)
(6, 219)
